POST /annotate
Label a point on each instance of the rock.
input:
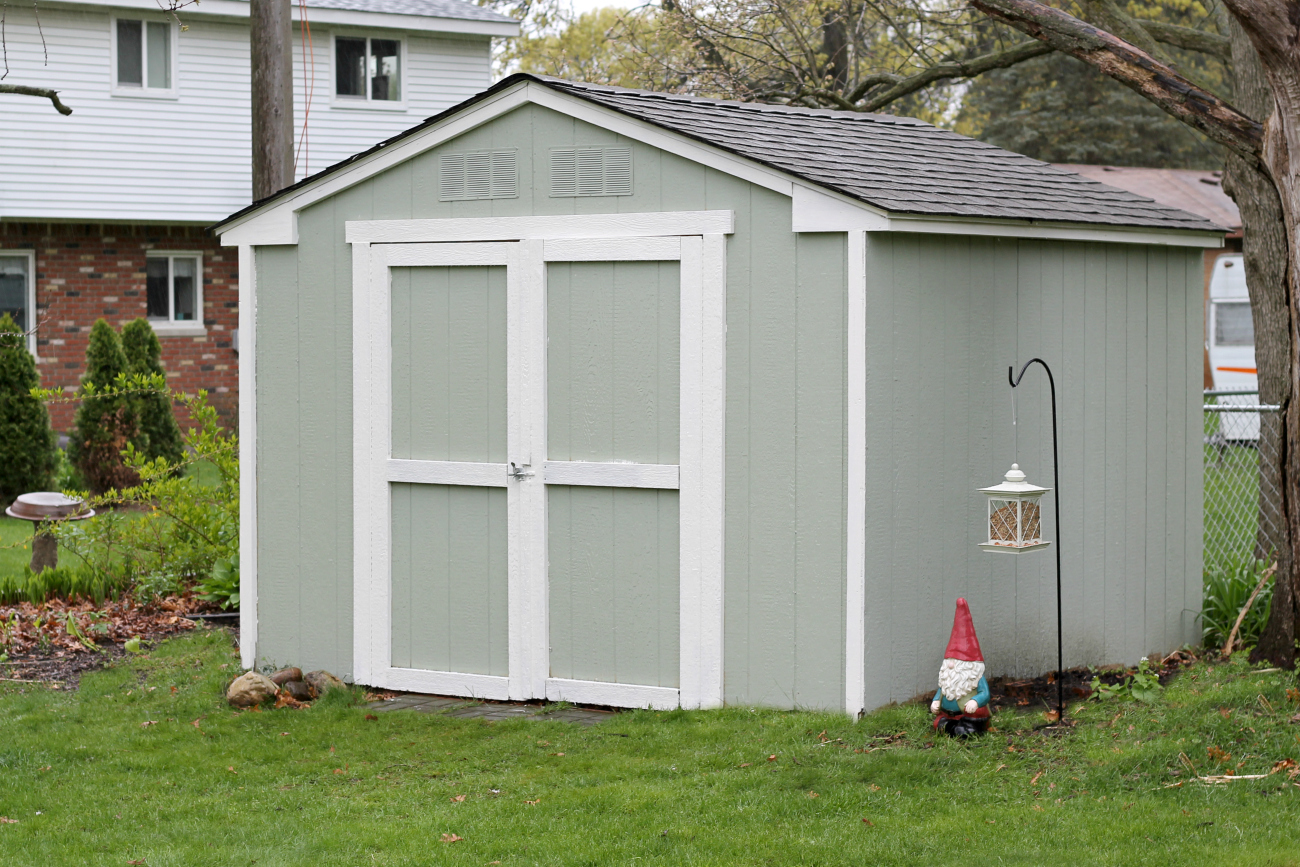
(323, 682)
(251, 688)
(284, 675)
(298, 690)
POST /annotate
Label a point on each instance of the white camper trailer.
(1230, 340)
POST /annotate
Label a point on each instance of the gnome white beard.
(959, 680)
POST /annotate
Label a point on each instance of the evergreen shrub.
(27, 444)
(160, 435)
(107, 420)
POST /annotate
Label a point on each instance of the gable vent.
(478, 175)
(591, 171)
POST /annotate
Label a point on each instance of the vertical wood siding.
(785, 414)
(186, 158)
(1117, 323)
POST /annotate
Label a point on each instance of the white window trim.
(368, 104)
(30, 255)
(170, 327)
(144, 91)
(524, 245)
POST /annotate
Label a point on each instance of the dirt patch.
(54, 642)
(1039, 693)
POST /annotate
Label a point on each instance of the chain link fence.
(1242, 504)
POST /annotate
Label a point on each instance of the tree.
(160, 435)
(26, 438)
(106, 420)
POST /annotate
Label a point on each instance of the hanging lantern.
(1015, 519)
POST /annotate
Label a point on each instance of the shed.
(635, 399)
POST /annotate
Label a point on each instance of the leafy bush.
(222, 586)
(27, 444)
(107, 420)
(1226, 591)
(1143, 684)
(160, 436)
(61, 581)
(170, 530)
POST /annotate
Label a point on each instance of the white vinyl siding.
(187, 158)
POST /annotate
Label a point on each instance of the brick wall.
(87, 272)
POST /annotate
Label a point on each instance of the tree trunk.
(271, 44)
(1273, 27)
(1264, 242)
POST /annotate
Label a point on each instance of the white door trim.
(525, 245)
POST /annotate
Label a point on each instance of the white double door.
(536, 514)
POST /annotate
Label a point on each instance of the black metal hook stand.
(1056, 481)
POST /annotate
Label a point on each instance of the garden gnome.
(961, 703)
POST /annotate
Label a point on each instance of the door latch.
(518, 473)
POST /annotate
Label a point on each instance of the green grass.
(90, 783)
(15, 545)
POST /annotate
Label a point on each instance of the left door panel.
(449, 554)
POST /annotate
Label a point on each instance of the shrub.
(106, 422)
(171, 529)
(27, 444)
(64, 581)
(160, 435)
(1226, 591)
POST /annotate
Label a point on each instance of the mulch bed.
(42, 647)
(1039, 693)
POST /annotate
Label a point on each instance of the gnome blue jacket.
(981, 697)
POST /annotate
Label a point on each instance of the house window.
(17, 291)
(367, 69)
(174, 290)
(145, 57)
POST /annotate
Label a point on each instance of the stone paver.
(462, 708)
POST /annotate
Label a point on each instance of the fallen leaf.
(771, 758)
(558, 754)
(197, 721)
(534, 802)
(5, 820)
(1225, 712)
(284, 734)
(450, 838)
(1035, 777)
(1038, 808)
(875, 788)
(136, 863)
(46, 768)
(745, 764)
(998, 768)
(231, 768)
(456, 799)
(990, 821)
(813, 795)
(148, 722)
(868, 822)
(371, 718)
(338, 770)
(1284, 765)
(173, 690)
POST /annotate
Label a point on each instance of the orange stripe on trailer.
(1238, 370)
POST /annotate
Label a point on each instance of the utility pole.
(271, 43)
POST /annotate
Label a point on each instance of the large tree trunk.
(1264, 242)
(1273, 27)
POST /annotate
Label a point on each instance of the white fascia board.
(347, 17)
(1054, 231)
(818, 210)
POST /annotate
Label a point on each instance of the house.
(638, 399)
(1197, 192)
(103, 212)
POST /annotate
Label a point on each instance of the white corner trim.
(574, 227)
(248, 457)
(367, 615)
(856, 513)
(817, 210)
(611, 694)
(612, 475)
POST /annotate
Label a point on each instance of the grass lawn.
(146, 764)
(15, 545)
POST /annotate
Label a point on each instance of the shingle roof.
(902, 165)
(430, 8)
(898, 164)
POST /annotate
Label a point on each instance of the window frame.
(171, 327)
(30, 255)
(368, 103)
(144, 91)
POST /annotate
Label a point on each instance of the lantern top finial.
(1015, 485)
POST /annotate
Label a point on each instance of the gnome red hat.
(963, 644)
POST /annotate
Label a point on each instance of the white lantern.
(1015, 519)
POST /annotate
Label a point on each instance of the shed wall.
(785, 420)
(946, 316)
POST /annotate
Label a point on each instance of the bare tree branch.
(1135, 69)
(45, 92)
(957, 69)
(1190, 39)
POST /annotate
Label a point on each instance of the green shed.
(636, 399)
